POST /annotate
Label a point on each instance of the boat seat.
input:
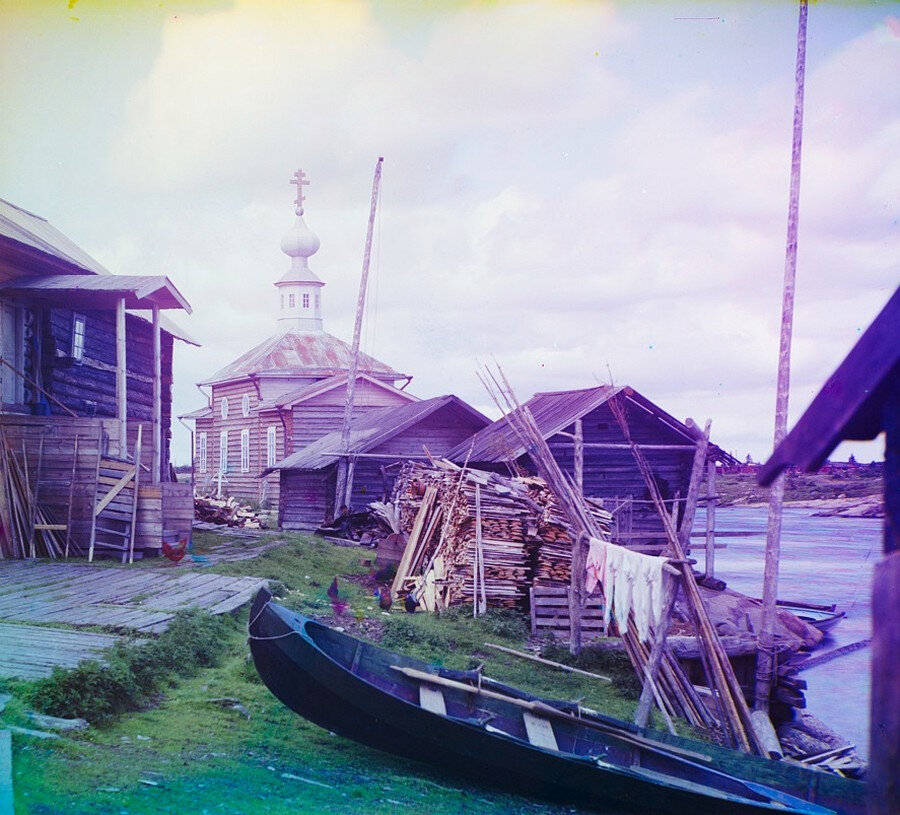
(540, 731)
(432, 700)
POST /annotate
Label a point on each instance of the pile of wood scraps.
(479, 536)
(226, 512)
(29, 527)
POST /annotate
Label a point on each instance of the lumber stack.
(524, 537)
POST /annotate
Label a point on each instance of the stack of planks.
(479, 534)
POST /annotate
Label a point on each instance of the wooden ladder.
(114, 519)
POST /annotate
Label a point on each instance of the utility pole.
(765, 662)
(344, 484)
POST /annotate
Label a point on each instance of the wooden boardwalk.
(122, 599)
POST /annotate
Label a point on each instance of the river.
(823, 560)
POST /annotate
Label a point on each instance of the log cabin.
(86, 365)
(587, 443)
(287, 391)
(860, 401)
(380, 441)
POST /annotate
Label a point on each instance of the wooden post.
(884, 719)
(134, 506)
(121, 379)
(156, 467)
(576, 593)
(579, 456)
(344, 486)
(765, 662)
(642, 714)
(710, 518)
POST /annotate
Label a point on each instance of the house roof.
(553, 411)
(200, 413)
(301, 353)
(37, 233)
(101, 291)
(850, 404)
(305, 392)
(368, 430)
(36, 245)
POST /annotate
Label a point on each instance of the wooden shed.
(86, 360)
(379, 442)
(583, 419)
(860, 400)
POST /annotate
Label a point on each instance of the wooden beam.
(156, 466)
(121, 378)
(710, 518)
(579, 456)
(603, 445)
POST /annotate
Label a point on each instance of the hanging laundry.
(632, 584)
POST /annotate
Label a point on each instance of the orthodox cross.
(301, 181)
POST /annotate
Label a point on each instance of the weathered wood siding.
(307, 499)
(161, 508)
(324, 413)
(610, 473)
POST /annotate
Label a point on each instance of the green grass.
(203, 757)
(742, 487)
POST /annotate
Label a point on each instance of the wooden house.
(583, 419)
(285, 392)
(860, 400)
(85, 363)
(380, 441)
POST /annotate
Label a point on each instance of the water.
(823, 560)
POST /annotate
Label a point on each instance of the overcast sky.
(573, 188)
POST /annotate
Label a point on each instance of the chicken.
(175, 552)
(410, 603)
(384, 598)
(338, 603)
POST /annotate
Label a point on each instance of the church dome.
(300, 241)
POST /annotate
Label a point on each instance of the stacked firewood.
(524, 536)
(226, 512)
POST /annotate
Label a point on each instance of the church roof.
(301, 353)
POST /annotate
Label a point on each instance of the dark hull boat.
(822, 617)
(486, 729)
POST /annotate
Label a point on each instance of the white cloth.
(631, 582)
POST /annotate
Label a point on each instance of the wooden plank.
(540, 731)
(432, 700)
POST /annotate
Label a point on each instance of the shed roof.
(300, 353)
(305, 392)
(35, 232)
(101, 291)
(850, 404)
(368, 430)
(553, 411)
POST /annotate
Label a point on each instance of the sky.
(580, 190)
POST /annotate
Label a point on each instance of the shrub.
(133, 672)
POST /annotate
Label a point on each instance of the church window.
(305, 301)
(245, 405)
(318, 301)
(201, 452)
(223, 407)
(245, 451)
(282, 302)
(223, 451)
(270, 446)
(78, 330)
(291, 301)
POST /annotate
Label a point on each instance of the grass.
(742, 487)
(180, 752)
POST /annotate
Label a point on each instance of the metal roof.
(554, 411)
(850, 404)
(300, 353)
(368, 430)
(200, 413)
(301, 394)
(93, 291)
(31, 230)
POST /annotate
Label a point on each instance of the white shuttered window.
(223, 451)
(245, 451)
(201, 452)
(270, 446)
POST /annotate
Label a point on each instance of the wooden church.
(289, 390)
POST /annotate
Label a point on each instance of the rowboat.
(819, 616)
(465, 723)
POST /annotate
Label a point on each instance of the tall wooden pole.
(766, 657)
(344, 485)
(579, 456)
(710, 569)
(121, 378)
(157, 399)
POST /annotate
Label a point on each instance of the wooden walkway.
(127, 600)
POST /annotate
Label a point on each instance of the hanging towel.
(596, 563)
